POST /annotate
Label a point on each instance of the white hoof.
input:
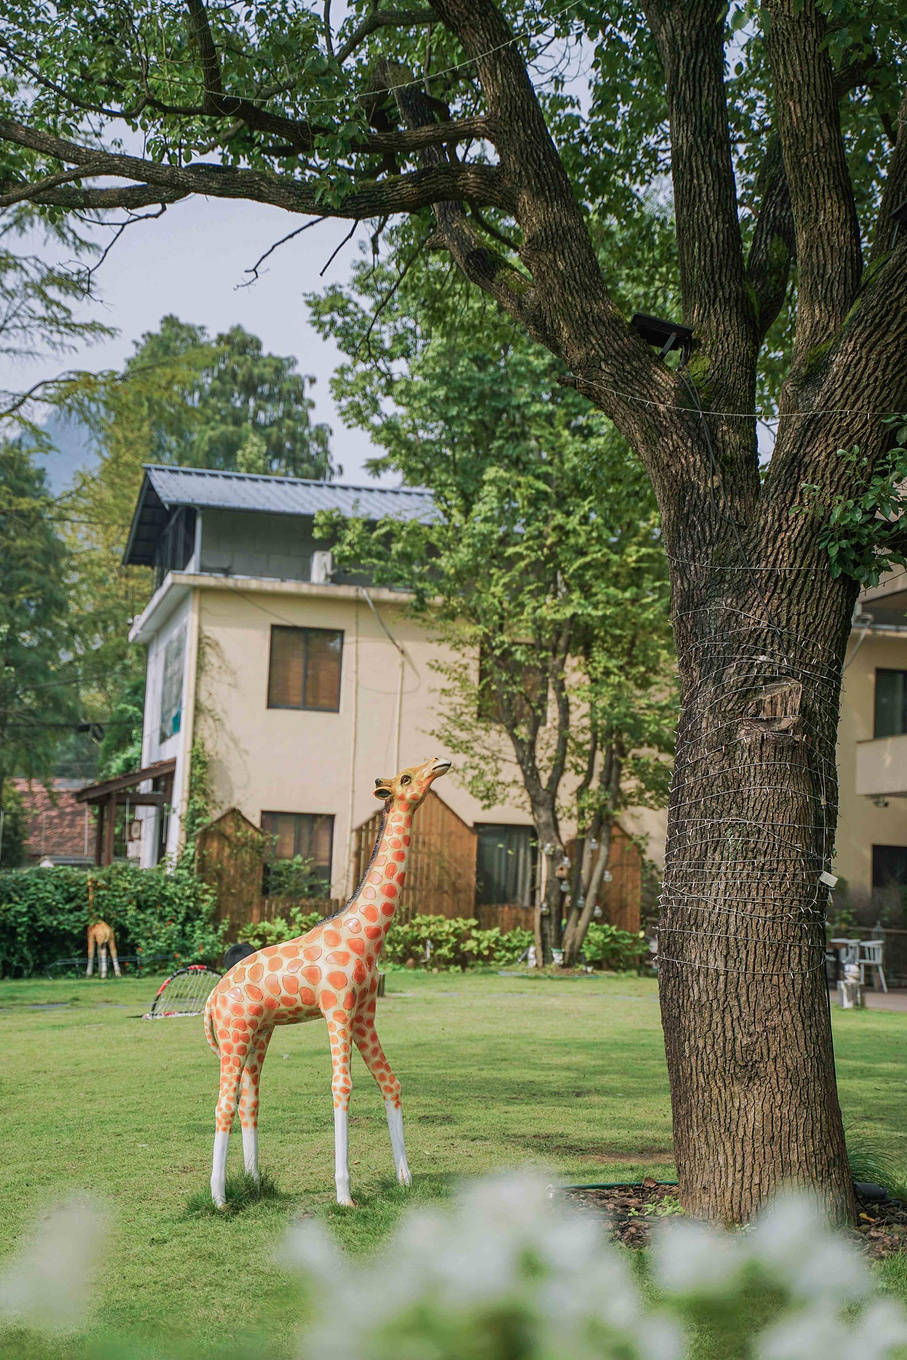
(404, 1176)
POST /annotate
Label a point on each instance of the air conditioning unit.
(322, 567)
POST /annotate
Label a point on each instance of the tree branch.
(370, 198)
(773, 247)
(556, 671)
(825, 219)
(690, 41)
(31, 191)
(887, 231)
(382, 18)
(212, 83)
(568, 307)
(481, 265)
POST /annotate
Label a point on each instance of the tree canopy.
(37, 692)
(543, 572)
(222, 402)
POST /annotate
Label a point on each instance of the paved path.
(880, 1001)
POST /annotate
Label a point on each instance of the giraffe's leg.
(113, 957)
(248, 1101)
(227, 1101)
(369, 1046)
(103, 960)
(91, 947)
(341, 1085)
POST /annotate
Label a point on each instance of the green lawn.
(497, 1071)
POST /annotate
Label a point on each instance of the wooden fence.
(230, 855)
(440, 877)
(441, 873)
(620, 899)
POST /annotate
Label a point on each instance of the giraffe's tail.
(209, 1028)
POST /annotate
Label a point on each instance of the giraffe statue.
(100, 936)
(332, 972)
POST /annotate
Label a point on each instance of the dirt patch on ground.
(602, 1155)
(882, 1229)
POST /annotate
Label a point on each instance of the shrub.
(296, 922)
(452, 942)
(607, 946)
(44, 914)
(15, 827)
(296, 877)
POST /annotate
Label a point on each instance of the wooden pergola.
(110, 794)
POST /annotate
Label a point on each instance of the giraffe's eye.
(406, 779)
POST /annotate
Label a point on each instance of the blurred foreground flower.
(47, 1285)
(498, 1273)
(503, 1271)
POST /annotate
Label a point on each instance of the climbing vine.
(198, 801)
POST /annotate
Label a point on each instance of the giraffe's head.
(411, 785)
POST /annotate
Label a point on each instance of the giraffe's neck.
(379, 894)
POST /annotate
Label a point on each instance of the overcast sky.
(189, 262)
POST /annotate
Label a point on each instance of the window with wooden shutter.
(305, 668)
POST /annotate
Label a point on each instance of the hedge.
(44, 914)
(459, 942)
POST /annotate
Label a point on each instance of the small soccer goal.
(184, 993)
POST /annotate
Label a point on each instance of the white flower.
(48, 1285)
(819, 1333)
(689, 1258)
(792, 1242)
(310, 1249)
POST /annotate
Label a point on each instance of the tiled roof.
(166, 488)
(58, 826)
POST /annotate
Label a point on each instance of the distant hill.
(73, 452)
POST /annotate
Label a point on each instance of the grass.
(564, 1074)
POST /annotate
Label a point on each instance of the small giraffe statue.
(100, 936)
(331, 972)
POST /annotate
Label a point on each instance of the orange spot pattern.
(330, 972)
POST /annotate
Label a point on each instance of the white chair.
(870, 956)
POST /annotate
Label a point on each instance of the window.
(889, 865)
(172, 687)
(505, 864)
(307, 834)
(176, 544)
(891, 703)
(305, 668)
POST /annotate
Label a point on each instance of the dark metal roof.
(164, 489)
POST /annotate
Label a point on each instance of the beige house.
(872, 743)
(302, 684)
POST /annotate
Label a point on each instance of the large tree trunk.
(750, 832)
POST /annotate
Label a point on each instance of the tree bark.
(750, 831)
(550, 904)
(581, 914)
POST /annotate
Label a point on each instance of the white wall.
(153, 748)
(300, 761)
